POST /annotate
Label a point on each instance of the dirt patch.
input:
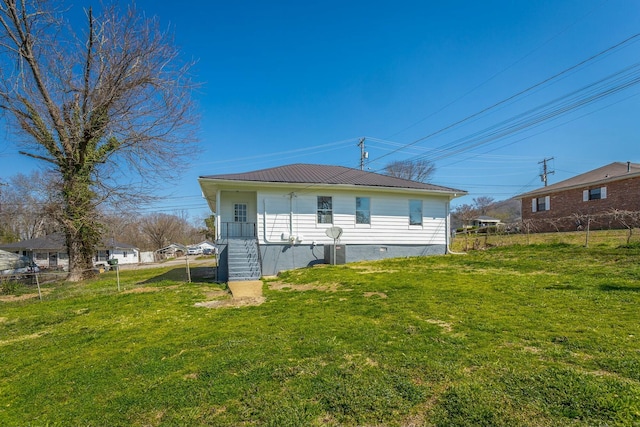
(378, 294)
(24, 338)
(371, 270)
(444, 325)
(215, 294)
(146, 289)
(23, 297)
(232, 302)
(280, 286)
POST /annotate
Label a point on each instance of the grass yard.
(534, 335)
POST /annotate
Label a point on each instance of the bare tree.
(414, 170)
(125, 227)
(482, 204)
(162, 229)
(25, 207)
(628, 219)
(464, 214)
(96, 106)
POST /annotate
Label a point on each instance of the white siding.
(125, 256)
(231, 198)
(276, 208)
(389, 218)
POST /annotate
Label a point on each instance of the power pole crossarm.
(545, 172)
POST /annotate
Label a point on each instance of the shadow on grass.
(612, 287)
(179, 274)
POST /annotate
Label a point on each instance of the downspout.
(448, 250)
(291, 196)
(264, 222)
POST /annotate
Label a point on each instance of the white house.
(485, 221)
(50, 252)
(283, 215)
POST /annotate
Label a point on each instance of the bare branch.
(97, 107)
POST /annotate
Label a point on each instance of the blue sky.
(302, 82)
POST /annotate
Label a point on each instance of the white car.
(194, 251)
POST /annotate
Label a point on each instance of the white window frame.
(586, 194)
(324, 212)
(416, 203)
(240, 212)
(367, 216)
(547, 204)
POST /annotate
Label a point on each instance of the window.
(363, 210)
(415, 212)
(594, 194)
(540, 204)
(325, 210)
(102, 256)
(240, 212)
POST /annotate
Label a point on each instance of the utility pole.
(363, 154)
(545, 171)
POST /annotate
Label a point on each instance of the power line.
(550, 110)
(501, 71)
(518, 94)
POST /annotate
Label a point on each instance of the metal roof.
(302, 173)
(612, 172)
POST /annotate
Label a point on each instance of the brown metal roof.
(301, 173)
(611, 172)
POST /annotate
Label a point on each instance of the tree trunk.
(82, 230)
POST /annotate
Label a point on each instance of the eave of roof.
(311, 174)
(612, 172)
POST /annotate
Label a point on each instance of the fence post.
(38, 284)
(586, 242)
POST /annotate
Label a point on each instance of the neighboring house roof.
(172, 246)
(302, 173)
(485, 218)
(56, 242)
(612, 172)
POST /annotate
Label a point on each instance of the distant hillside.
(506, 211)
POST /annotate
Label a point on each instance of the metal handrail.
(237, 229)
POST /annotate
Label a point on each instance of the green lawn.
(522, 335)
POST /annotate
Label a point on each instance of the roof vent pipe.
(628, 167)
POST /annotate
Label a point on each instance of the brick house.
(591, 197)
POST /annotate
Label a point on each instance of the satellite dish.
(334, 232)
